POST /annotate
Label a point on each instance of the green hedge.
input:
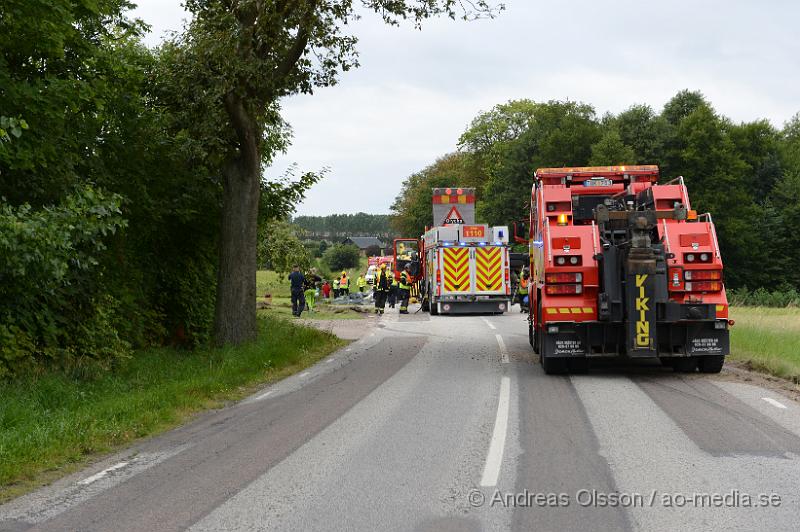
(785, 297)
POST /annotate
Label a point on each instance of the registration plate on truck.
(598, 183)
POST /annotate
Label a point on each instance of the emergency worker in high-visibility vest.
(392, 299)
(382, 286)
(405, 289)
(361, 283)
(522, 291)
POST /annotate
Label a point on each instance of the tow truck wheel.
(685, 365)
(578, 365)
(711, 363)
(550, 365)
(434, 308)
(553, 365)
(532, 338)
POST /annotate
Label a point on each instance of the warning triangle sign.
(453, 217)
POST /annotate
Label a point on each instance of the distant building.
(363, 243)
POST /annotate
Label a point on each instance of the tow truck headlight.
(690, 257)
(561, 261)
(552, 329)
(573, 260)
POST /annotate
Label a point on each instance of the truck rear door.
(491, 263)
(456, 270)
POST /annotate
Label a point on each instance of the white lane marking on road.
(494, 460)
(258, 397)
(490, 324)
(303, 375)
(773, 402)
(101, 474)
(328, 361)
(503, 350)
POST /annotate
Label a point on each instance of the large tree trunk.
(235, 312)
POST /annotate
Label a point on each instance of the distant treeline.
(336, 226)
(746, 174)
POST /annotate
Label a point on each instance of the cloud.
(416, 91)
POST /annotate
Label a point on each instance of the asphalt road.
(449, 423)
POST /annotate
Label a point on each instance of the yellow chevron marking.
(488, 268)
(587, 310)
(563, 310)
(551, 311)
(456, 270)
(576, 310)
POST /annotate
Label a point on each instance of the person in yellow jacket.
(361, 283)
(522, 291)
(405, 288)
(382, 286)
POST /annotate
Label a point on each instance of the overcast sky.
(416, 92)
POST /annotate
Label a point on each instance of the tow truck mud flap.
(565, 343)
(641, 314)
(703, 339)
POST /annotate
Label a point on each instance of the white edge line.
(494, 459)
(490, 324)
(101, 474)
(773, 402)
(303, 375)
(503, 350)
(328, 361)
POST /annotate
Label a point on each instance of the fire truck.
(466, 269)
(457, 266)
(623, 267)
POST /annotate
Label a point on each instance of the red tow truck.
(622, 266)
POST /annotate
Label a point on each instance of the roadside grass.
(767, 340)
(282, 307)
(53, 423)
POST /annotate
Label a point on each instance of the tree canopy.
(744, 174)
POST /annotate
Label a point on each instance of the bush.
(784, 297)
(54, 304)
(341, 257)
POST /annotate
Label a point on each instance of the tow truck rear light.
(572, 260)
(564, 278)
(703, 275)
(675, 280)
(703, 286)
(563, 289)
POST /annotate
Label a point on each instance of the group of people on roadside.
(388, 289)
(306, 288)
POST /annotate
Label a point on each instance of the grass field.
(51, 423)
(768, 340)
